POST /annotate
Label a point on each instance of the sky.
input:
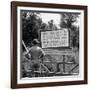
(48, 16)
(56, 18)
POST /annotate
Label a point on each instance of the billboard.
(54, 39)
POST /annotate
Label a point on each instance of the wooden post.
(64, 63)
(24, 46)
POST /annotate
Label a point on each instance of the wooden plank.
(58, 52)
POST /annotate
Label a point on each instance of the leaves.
(31, 23)
(67, 21)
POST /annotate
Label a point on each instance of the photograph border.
(14, 5)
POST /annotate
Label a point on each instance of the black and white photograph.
(49, 43)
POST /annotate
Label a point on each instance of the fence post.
(64, 63)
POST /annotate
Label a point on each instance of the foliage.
(67, 21)
(30, 25)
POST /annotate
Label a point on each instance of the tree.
(67, 21)
(31, 24)
(51, 25)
